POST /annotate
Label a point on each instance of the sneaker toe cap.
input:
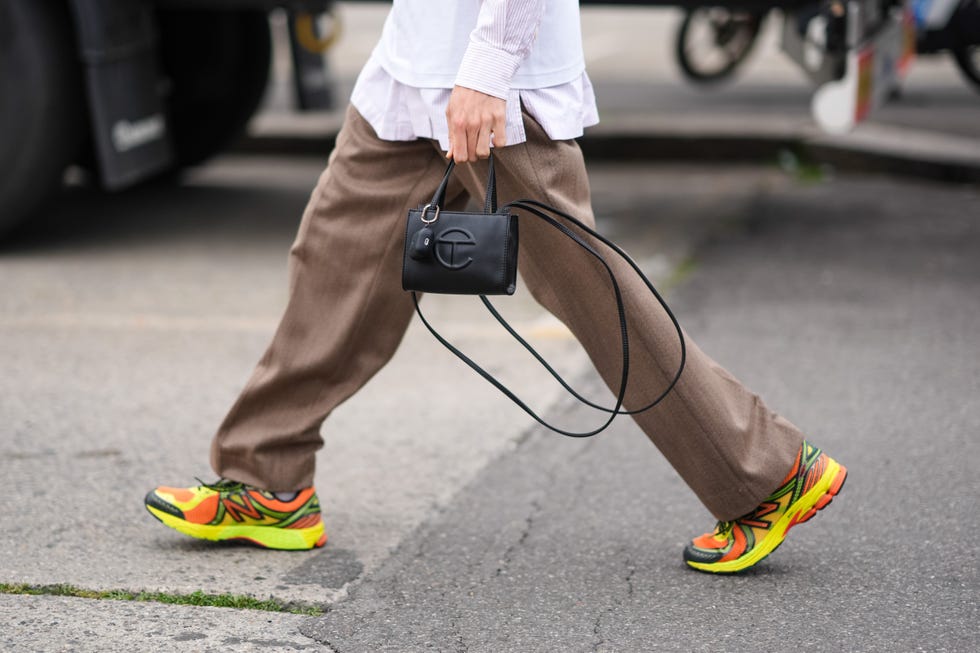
(694, 554)
(154, 500)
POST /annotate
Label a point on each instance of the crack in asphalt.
(597, 631)
(528, 525)
(630, 571)
(461, 646)
(618, 602)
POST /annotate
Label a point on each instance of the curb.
(765, 148)
(875, 155)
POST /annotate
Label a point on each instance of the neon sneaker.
(229, 510)
(814, 481)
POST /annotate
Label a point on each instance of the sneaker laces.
(228, 485)
(724, 529)
(222, 485)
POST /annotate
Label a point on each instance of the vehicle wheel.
(968, 60)
(217, 64)
(42, 111)
(965, 27)
(713, 41)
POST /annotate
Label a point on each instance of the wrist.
(487, 69)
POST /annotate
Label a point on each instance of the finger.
(460, 154)
(500, 131)
(457, 137)
(457, 143)
(483, 143)
(472, 142)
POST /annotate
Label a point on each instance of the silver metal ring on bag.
(434, 218)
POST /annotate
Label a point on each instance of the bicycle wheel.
(968, 60)
(965, 28)
(713, 41)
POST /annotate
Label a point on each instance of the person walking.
(449, 79)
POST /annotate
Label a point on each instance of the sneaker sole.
(805, 509)
(269, 537)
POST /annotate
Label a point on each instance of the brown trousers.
(347, 314)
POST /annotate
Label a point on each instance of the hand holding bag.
(461, 253)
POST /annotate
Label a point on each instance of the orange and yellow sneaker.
(228, 510)
(733, 546)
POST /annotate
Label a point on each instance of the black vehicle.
(129, 89)
(132, 89)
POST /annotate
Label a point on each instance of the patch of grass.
(194, 598)
(681, 272)
(795, 164)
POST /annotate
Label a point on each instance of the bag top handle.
(490, 203)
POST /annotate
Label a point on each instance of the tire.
(712, 42)
(42, 105)
(217, 64)
(968, 60)
(965, 25)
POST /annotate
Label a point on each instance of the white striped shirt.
(404, 88)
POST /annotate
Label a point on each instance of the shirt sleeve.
(502, 39)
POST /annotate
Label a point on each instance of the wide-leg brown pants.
(347, 314)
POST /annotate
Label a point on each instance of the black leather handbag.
(461, 253)
(476, 254)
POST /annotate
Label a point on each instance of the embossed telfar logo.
(451, 247)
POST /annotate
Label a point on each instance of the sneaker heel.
(838, 483)
(824, 500)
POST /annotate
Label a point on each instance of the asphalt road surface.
(128, 324)
(851, 304)
(853, 307)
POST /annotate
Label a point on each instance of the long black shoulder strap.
(541, 211)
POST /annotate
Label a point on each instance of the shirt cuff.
(487, 69)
